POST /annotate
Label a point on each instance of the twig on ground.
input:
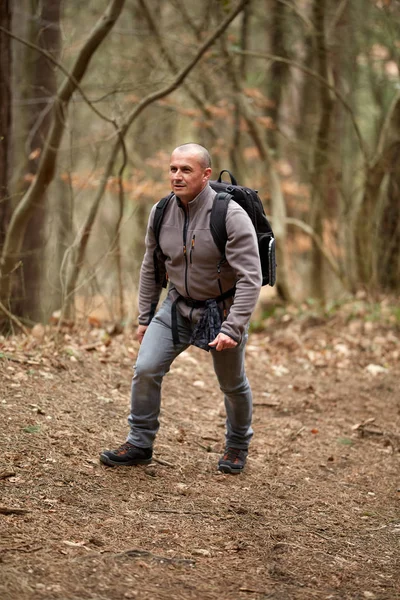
(296, 434)
(163, 462)
(6, 474)
(9, 510)
(24, 361)
(176, 512)
(14, 319)
(21, 549)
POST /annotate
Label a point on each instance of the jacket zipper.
(185, 228)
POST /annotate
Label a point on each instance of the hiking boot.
(232, 461)
(126, 455)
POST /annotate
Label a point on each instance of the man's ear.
(207, 172)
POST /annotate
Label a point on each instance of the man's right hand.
(141, 330)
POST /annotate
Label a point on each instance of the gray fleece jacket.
(192, 259)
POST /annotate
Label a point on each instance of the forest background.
(299, 99)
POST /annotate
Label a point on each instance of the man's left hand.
(222, 342)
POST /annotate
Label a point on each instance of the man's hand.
(140, 331)
(222, 342)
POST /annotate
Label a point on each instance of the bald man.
(200, 280)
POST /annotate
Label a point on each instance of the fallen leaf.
(201, 552)
(73, 544)
(375, 369)
(199, 383)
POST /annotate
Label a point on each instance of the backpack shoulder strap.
(159, 215)
(217, 220)
(157, 254)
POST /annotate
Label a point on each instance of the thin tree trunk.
(388, 262)
(279, 70)
(236, 150)
(320, 154)
(5, 117)
(376, 227)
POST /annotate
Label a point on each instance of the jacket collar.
(199, 201)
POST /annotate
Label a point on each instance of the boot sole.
(230, 470)
(106, 460)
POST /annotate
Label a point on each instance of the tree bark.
(377, 232)
(43, 89)
(5, 117)
(279, 70)
(320, 154)
(236, 150)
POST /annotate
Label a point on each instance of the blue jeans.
(156, 354)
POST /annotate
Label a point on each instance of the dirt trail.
(315, 515)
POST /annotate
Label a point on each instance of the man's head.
(189, 171)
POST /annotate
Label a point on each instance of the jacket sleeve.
(242, 254)
(149, 290)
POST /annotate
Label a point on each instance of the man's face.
(187, 176)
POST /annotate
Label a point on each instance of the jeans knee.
(235, 389)
(147, 370)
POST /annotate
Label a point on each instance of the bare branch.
(387, 127)
(299, 13)
(338, 15)
(61, 67)
(14, 319)
(317, 76)
(172, 64)
(186, 70)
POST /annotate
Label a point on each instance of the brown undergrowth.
(315, 515)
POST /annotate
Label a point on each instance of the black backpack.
(248, 199)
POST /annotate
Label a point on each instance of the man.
(200, 280)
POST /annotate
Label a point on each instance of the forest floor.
(314, 515)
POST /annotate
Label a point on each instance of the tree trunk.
(279, 70)
(320, 185)
(237, 147)
(5, 117)
(44, 87)
(377, 224)
(389, 232)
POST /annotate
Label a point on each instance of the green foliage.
(345, 441)
(31, 429)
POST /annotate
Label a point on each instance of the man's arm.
(149, 290)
